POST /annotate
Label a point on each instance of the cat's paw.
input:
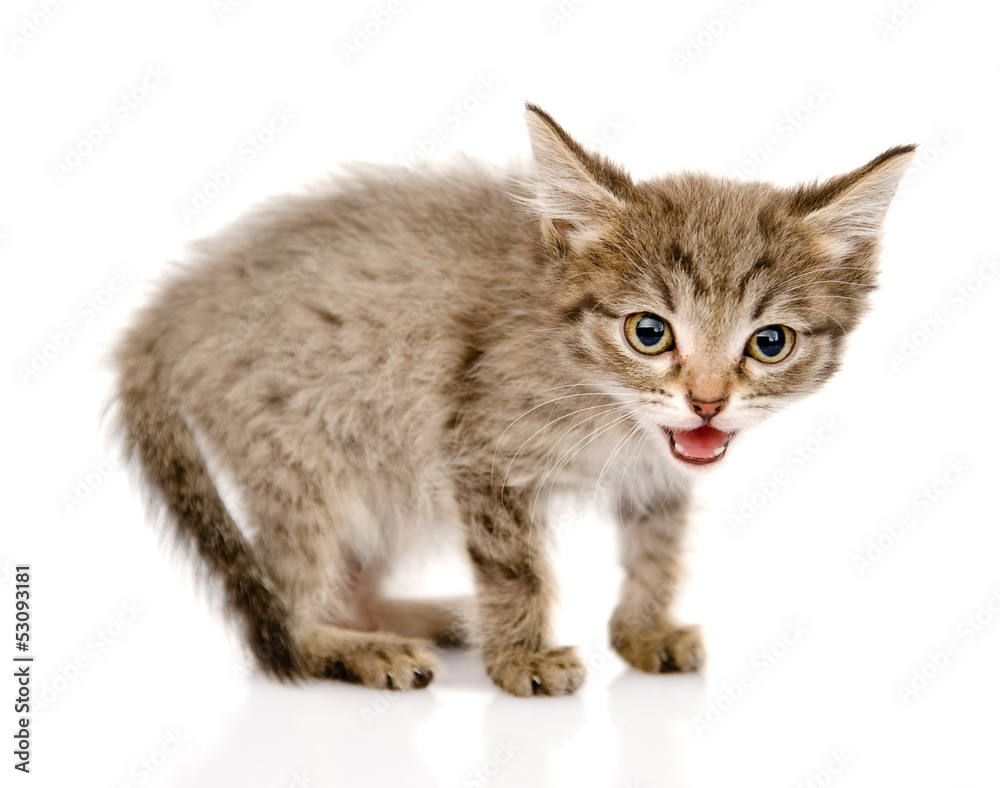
(385, 663)
(554, 671)
(666, 649)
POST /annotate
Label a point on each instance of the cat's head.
(702, 303)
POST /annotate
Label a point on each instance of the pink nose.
(707, 409)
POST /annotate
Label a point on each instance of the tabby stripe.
(587, 304)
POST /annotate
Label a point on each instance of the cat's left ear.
(848, 211)
(580, 195)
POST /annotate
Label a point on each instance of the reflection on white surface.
(627, 728)
(165, 699)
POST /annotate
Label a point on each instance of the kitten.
(377, 365)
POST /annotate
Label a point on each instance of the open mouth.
(702, 446)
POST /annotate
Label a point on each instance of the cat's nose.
(707, 409)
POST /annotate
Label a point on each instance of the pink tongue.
(701, 443)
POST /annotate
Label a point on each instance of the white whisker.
(566, 458)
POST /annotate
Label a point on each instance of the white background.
(780, 90)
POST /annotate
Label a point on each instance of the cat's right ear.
(580, 195)
(848, 211)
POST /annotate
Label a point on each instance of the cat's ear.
(580, 195)
(848, 210)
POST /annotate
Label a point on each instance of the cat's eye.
(771, 344)
(648, 333)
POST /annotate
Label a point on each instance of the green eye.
(648, 333)
(771, 344)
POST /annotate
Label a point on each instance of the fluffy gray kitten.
(406, 353)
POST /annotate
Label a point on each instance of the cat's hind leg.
(446, 622)
(336, 636)
(341, 636)
(383, 660)
(327, 590)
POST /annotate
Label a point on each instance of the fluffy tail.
(158, 438)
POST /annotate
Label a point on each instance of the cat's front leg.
(515, 594)
(642, 629)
